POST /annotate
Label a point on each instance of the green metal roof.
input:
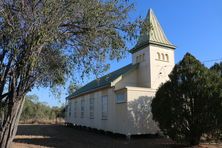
(102, 82)
(152, 33)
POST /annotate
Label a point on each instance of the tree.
(72, 88)
(29, 108)
(190, 103)
(43, 42)
(37, 111)
(217, 67)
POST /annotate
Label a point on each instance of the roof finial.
(150, 10)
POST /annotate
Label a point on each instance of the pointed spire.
(152, 33)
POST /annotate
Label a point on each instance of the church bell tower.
(154, 53)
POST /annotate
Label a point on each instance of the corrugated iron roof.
(152, 33)
(102, 82)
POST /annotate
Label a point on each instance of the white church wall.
(160, 67)
(144, 66)
(139, 111)
(129, 79)
(130, 117)
(116, 112)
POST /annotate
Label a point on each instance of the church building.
(120, 102)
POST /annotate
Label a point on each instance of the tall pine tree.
(190, 103)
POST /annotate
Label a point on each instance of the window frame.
(104, 107)
(167, 57)
(137, 59)
(91, 107)
(163, 57)
(70, 109)
(158, 56)
(124, 100)
(75, 109)
(140, 58)
(82, 108)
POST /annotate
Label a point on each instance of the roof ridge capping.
(152, 33)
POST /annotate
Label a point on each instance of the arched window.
(143, 57)
(167, 57)
(158, 55)
(163, 58)
(137, 59)
(140, 58)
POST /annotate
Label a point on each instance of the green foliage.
(190, 103)
(72, 88)
(51, 36)
(44, 42)
(217, 67)
(37, 111)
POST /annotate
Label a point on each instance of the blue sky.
(194, 26)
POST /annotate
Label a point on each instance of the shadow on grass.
(60, 136)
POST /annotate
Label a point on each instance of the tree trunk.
(10, 125)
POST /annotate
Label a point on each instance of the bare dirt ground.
(59, 136)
